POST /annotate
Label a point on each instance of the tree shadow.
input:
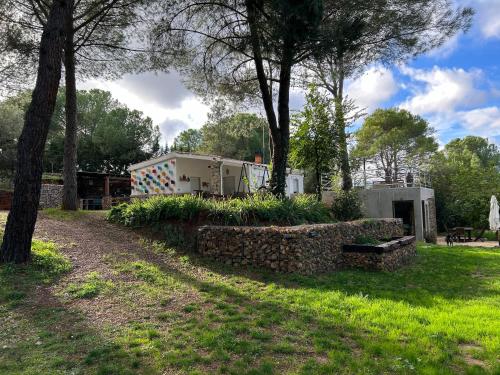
(318, 336)
(43, 335)
(452, 274)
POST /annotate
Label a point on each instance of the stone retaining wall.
(305, 249)
(386, 260)
(51, 196)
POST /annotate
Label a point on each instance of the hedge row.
(254, 210)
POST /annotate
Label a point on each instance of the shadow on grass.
(246, 319)
(458, 273)
(41, 335)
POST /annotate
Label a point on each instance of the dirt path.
(94, 245)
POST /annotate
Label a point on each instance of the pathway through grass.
(148, 309)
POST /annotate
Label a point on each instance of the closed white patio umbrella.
(494, 215)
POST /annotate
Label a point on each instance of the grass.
(58, 214)
(246, 211)
(93, 285)
(366, 240)
(438, 316)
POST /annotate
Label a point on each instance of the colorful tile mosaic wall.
(155, 179)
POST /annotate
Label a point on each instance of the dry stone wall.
(305, 249)
(388, 256)
(51, 196)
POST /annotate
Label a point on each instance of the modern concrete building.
(415, 205)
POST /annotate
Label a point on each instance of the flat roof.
(206, 157)
(187, 155)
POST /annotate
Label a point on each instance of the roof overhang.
(183, 155)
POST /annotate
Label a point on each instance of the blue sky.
(456, 87)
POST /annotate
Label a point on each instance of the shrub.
(366, 240)
(252, 210)
(347, 206)
(46, 258)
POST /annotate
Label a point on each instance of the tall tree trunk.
(337, 90)
(281, 138)
(319, 195)
(16, 246)
(279, 159)
(280, 128)
(345, 168)
(69, 200)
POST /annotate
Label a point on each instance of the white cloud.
(442, 89)
(487, 17)
(372, 88)
(453, 101)
(483, 121)
(447, 48)
(173, 108)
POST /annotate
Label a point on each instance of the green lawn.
(439, 316)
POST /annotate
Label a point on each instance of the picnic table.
(464, 233)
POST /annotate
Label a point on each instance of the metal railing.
(376, 178)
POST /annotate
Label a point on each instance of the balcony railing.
(405, 178)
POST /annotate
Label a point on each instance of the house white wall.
(177, 175)
(189, 168)
(294, 184)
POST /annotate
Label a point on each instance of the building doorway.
(228, 184)
(405, 210)
(195, 183)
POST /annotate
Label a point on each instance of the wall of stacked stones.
(51, 196)
(386, 261)
(305, 249)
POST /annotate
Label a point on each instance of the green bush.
(47, 262)
(347, 206)
(253, 210)
(47, 258)
(366, 240)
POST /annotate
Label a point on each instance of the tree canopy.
(110, 135)
(103, 31)
(313, 142)
(188, 140)
(253, 48)
(465, 174)
(393, 139)
(238, 136)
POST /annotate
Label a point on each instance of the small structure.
(186, 173)
(409, 197)
(98, 190)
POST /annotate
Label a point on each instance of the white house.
(181, 173)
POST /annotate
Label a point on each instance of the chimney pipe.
(258, 158)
